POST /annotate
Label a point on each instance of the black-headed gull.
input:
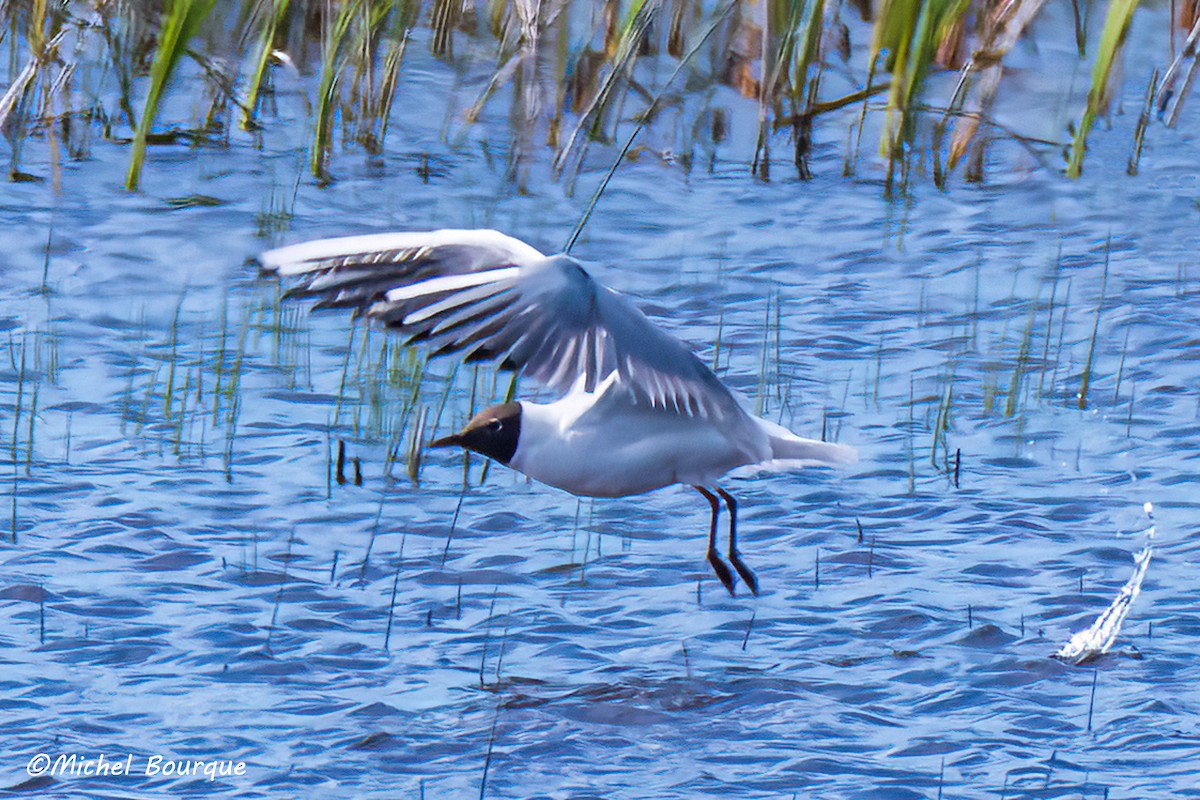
(639, 411)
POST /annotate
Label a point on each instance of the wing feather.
(489, 296)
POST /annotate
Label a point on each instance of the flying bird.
(638, 410)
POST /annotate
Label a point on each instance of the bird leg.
(719, 566)
(734, 557)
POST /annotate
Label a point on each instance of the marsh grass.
(272, 17)
(1022, 366)
(1086, 377)
(1004, 371)
(181, 20)
(915, 34)
(187, 402)
(1168, 97)
(941, 427)
(1139, 132)
(577, 77)
(334, 60)
(1112, 40)
(183, 395)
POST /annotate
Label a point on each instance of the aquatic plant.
(1112, 39)
(577, 75)
(180, 22)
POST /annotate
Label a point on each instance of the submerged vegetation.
(921, 78)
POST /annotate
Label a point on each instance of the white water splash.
(1096, 640)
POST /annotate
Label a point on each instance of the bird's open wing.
(356, 271)
(490, 296)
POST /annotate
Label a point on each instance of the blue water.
(183, 577)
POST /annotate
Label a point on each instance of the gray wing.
(489, 296)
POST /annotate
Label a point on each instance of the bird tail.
(800, 451)
(790, 450)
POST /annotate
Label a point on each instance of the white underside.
(602, 445)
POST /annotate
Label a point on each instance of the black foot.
(724, 573)
(746, 573)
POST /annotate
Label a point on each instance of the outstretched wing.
(355, 271)
(489, 296)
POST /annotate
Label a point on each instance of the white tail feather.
(810, 451)
(790, 450)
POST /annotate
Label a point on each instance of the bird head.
(492, 432)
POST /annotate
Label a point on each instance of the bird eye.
(496, 425)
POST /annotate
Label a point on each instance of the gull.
(637, 410)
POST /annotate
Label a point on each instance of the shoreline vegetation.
(577, 74)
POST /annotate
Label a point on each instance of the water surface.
(182, 576)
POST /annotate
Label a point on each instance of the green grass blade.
(180, 23)
(405, 18)
(910, 31)
(266, 40)
(1116, 26)
(331, 69)
(1086, 380)
(625, 53)
(620, 159)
